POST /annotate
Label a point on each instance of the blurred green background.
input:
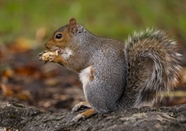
(116, 19)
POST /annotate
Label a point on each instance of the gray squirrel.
(115, 75)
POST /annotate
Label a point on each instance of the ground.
(16, 116)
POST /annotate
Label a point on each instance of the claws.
(40, 54)
(79, 105)
(84, 115)
(78, 117)
(48, 56)
(76, 108)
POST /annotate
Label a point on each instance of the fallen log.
(19, 117)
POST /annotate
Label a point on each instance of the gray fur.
(154, 47)
(129, 75)
(105, 90)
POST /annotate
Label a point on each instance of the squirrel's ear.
(72, 26)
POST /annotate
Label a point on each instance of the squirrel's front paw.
(48, 56)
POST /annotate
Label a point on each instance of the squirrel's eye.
(58, 36)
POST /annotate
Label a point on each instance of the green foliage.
(109, 18)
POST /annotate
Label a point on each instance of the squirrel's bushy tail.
(153, 66)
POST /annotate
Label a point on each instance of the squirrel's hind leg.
(84, 115)
(79, 105)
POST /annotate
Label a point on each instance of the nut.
(48, 55)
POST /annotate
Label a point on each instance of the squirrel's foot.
(79, 105)
(84, 115)
(78, 117)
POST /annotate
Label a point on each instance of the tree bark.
(20, 117)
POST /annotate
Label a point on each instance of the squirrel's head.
(62, 37)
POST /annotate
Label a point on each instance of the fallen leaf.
(7, 91)
(24, 95)
(21, 45)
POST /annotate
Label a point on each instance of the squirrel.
(115, 75)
